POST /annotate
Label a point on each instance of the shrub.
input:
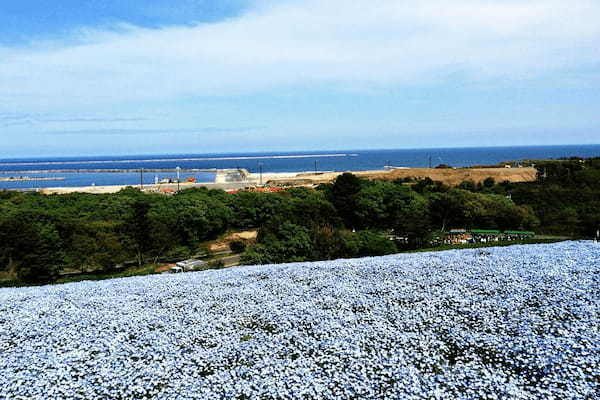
(37, 273)
(215, 264)
(237, 246)
(374, 244)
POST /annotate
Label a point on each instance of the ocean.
(343, 160)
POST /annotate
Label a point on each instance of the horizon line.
(256, 154)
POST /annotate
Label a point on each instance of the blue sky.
(26, 20)
(142, 77)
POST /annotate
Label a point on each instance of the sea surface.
(342, 160)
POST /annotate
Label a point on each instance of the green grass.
(5, 283)
(146, 270)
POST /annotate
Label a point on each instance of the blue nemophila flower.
(516, 322)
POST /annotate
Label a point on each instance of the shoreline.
(242, 179)
(29, 179)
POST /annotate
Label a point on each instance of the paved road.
(231, 261)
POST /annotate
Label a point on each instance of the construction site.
(239, 179)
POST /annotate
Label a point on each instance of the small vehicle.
(191, 264)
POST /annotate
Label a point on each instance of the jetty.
(111, 170)
(30, 179)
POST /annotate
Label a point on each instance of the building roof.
(485, 231)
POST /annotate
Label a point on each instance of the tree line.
(40, 235)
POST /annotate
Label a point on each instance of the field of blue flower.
(518, 322)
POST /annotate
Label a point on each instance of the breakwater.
(30, 179)
(111, 170)
(115, 170)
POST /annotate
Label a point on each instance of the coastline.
(229, 180)
(83, 172)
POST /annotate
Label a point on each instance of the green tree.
(373, 244)
(489, 183)
(344, 194)
(31, 247)
(136, 229)
(280, 242)
(254, 209)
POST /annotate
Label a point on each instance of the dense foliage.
(565, 199)
(40, 235)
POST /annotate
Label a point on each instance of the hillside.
(513, 322)
(448, 176)
(454, 176)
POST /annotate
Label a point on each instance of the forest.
(41, 235)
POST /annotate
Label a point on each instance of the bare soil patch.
(455, 176)
(223, 244)
(450, 176)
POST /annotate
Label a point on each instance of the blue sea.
(342, 160)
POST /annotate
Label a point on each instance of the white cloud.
(359, 43)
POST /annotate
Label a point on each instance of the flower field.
(518, 322)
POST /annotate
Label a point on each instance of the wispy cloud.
(164, 131)
(137, 119)
(31, 119)
(362, 43)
